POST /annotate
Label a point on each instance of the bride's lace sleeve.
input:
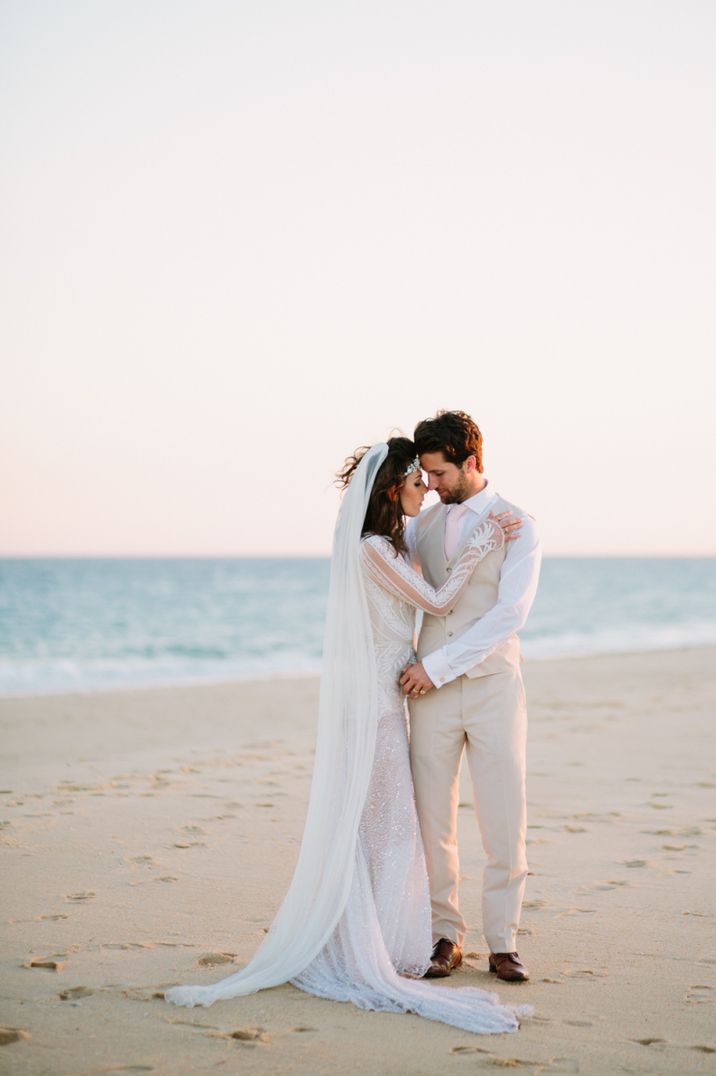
(395, 575)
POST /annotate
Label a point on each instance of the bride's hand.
(506, 526)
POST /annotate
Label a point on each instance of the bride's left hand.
(415, 681)
(508, 523)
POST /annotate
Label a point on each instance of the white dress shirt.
(516, 591)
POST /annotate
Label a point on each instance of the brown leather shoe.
(445, 957)
(509, 967)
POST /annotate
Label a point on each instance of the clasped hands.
(415, 681)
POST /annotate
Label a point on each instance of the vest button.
(449, 635)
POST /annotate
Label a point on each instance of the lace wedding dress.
(355, 924)
(385, 931)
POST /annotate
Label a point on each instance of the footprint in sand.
(676, 831)
(303, 1029)
(190, 844)
(75, 992)
(46, 963)
(127, 945)
(586, 973)
(651, 1042)
(634, 863)
(249, 1036)
(553, 1065)
(136, 993)
(13, 1034)
(78, 898)
(576, 911)
(197, 830)
(534, 904)
(210, 960)
(605, 886)
(575, 829)
(128, 1068)
(700, 995)
(168, 878)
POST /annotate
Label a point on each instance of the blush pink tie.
(452, 529)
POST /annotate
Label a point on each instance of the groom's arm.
(516, 593)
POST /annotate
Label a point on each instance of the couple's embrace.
(371, 915)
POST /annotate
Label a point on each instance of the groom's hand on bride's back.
(415, 681)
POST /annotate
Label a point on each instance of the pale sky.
(238, 239)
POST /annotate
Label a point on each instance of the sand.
(147, 837)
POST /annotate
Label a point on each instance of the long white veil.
(345, 748)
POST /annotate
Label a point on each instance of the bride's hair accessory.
(414, 465)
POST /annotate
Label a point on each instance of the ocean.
(102, 623)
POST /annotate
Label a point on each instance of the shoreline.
(298, 675)
(149, 834)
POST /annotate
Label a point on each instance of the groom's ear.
(470, 464)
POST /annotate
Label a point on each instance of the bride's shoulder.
(373, 539)
(379, 542)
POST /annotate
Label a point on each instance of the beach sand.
(148, 836)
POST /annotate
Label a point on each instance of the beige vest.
(478, 597)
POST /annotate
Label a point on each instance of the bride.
(355, 923)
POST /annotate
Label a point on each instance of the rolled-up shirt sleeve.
(516, 593)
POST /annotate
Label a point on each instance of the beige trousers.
(486, 717)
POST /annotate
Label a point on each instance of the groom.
(466, 694)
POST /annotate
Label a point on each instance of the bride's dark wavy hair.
(384, 514)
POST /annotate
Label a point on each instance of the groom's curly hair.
(454, 434)
(384, 514)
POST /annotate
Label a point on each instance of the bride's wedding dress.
(355, 924)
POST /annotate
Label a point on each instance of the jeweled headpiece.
(414, 465)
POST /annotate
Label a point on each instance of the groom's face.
(449, 481)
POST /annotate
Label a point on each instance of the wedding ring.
(422, 690)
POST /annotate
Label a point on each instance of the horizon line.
(601, 555)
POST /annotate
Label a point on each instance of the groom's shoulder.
(502, 504)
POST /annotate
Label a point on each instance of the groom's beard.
(459, 492)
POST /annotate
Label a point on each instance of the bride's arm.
(395, 575)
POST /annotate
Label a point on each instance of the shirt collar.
(479, 502)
